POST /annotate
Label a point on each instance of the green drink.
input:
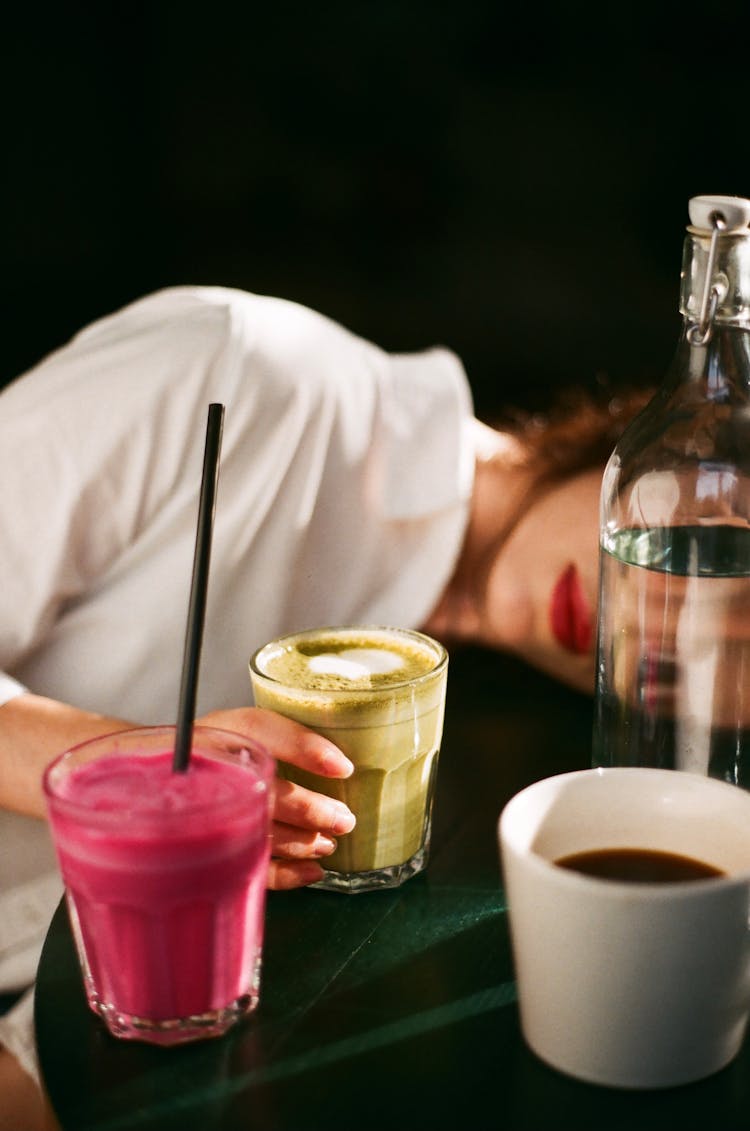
(379, 695)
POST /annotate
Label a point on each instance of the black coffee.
(639, 866)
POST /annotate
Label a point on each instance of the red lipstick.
(569, 613)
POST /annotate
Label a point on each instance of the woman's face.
(542, 588)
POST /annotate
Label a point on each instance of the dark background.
(510, 181)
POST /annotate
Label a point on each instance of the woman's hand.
(305, 824)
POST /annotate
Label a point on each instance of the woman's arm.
(33, 730)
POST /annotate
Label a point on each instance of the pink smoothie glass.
(165, 877)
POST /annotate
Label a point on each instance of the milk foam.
(347, 660)
(356, 663)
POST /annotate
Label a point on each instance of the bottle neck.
(720, 367)
(714, 350)
(730, 276)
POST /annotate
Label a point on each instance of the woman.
(356, 487)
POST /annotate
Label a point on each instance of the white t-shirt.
(343, 496)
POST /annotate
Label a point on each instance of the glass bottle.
(673, 648)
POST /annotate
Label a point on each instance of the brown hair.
(579, 430)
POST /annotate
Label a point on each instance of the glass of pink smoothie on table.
(165, 877)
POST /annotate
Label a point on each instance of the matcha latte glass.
(379, 695)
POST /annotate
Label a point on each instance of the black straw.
(198, 589)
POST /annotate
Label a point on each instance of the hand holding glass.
(379, 695)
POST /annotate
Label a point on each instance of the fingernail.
(342, 818)
(324, 845)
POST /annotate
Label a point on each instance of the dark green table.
(394, 1009)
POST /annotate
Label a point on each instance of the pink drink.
(165, 876)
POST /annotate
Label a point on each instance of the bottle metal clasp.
(700, 332)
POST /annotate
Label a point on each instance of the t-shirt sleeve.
(9, 688)
(345, 489)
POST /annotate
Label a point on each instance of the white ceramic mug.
(633, 985)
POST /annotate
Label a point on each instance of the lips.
(569, 613)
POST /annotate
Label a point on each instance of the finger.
(295, 805)
(286, 874)
(286, 740)
(291, 742)
(299, 844)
